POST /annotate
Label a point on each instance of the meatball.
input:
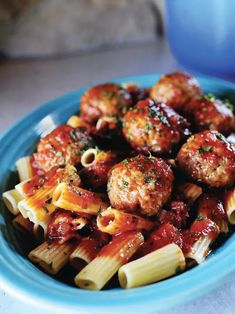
(207, 157)
(107, 102)
(210, 114)
(62, 146)
(175, 89)
(155, 128)
(140, 184)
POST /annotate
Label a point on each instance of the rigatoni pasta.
(52, 257)
(80, 200)
(84, 253)
(229, 204)
(155, 266)
(109, 260)
(11, 199)
(24, 168)
(113, 221)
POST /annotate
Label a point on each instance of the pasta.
(88, 157)
(230, 205)
(114, 221)
(84, 253)
(80, 200)
(155, 266)
(133, 187)
(75, 122)
(24, 168)
(108, 261)
(11, 199)
(202, 234)
(52, 257)
(23, 224)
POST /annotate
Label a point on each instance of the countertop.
(26, 84)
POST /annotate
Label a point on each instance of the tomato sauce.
(200, 228)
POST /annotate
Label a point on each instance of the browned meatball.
(155, 128)
(210, 114)
(63, 145)
(207, 157)
(107, 101)
(140, 184)
(175, 89)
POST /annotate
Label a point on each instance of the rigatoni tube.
(88, 157)
(155, 266)
(24, 168)
(189, 191)
(111, 257)
(199, 237)
(52, 257)
(84, 253)
(229, 205)
(77, 199)
(76, 122)
(11, 199)
(114, 221)
(23, 224)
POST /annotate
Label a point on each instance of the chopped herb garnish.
(191, 138)
(108, 94)
(210, 97)
(200, 218)
(149, 179)
(220, 136)
(125, 161)
(59, 153)
(129, 132)
(149, 126)
(204, 149)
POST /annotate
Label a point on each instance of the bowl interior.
(24, 280)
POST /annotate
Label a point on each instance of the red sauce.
(160, 237)
(177, 215)
(63, 225)
(47, 180)
(83, 197)
(122, 246)
(199, 228)
(211, 206)
(102, 238)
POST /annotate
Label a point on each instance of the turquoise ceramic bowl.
(21, 278)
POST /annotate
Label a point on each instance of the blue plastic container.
(201, 34)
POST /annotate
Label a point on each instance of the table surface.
(25, 85)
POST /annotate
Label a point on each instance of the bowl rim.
(162, 295)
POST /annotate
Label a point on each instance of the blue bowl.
(21, 278)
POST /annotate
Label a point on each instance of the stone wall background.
(33, 28)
